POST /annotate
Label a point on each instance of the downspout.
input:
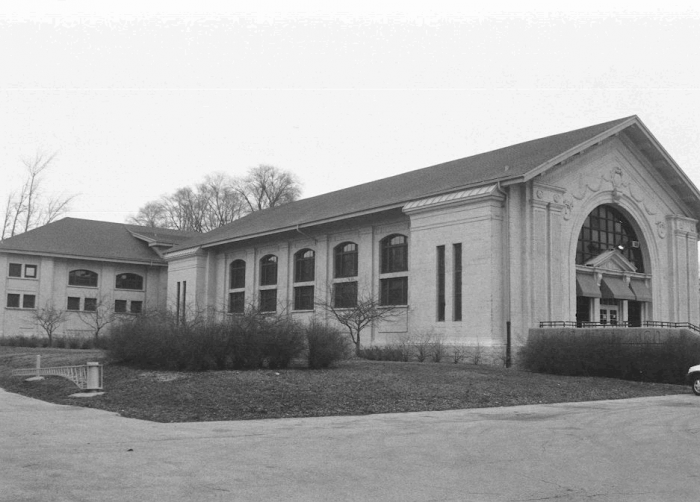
(506, 267)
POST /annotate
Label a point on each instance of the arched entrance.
(612, 283)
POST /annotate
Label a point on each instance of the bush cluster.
(249, 341)
(612, 355)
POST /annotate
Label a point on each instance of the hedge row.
(613, 354)
(249, 341)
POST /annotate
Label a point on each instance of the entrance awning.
(640, 290)
(615, 287)
(586, 286)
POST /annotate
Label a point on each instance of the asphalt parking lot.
(645, 449)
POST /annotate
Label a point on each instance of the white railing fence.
(87, 377)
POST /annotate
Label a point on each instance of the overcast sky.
(143, 100)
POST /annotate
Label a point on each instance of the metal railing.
(88, 377)
(619, 324)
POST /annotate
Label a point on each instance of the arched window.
(237, 274)
(82, 278)
(304, 264)
(394, 254)
(606, 228)
(129, 281)
(268, 270)
(345, 260)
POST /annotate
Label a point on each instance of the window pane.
(268, 300)
(394, 254)
(237, 274)
(394, 291)
(457, 283)
(345, 257)
(82, 278)
(28, 301)
(129, 281)
(74, 303)
(90, 304)
(136, 307)
(304, 264)
(13, 300)
(119, 306)
(345, 295)
(15, 270)
(304, 298)
(268, 270)
(441, 283)
(236, 303)
(30, 271)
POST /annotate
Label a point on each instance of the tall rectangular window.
(441, 283)
(184, 300)
(236, 302)
(90, 304)
(73, 303)
(345, 295)
(457, 283)
(119, 306)
(177, 304)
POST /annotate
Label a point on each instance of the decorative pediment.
(611, 260)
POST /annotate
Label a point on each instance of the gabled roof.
(513, 164)
(106, 241)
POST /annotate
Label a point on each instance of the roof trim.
(581, 147)
(153, 263)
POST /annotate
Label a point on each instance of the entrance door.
(609, 314)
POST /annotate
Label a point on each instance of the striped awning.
(616, 288)
(586, 286)
(641, 291)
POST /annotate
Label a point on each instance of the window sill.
(20, 308)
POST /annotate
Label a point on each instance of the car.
(694, 379)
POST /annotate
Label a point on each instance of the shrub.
(24, 341)
(326, 345)
(613, 354)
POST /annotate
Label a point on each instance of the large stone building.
(597, 224)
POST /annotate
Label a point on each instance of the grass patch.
(354, 387)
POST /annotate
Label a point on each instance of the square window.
(90, 304)
(136, 307)
(73, 303)
(28, 301)
(30, 271)
(120, 306)
(15, 270)
(345, 295)
(13, 300)
(304, 298)
(394, 291)
(268, 300)
(236, 303)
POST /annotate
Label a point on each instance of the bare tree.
(267, 186)
(49, 319)
(29, 207)
(356, 310)
(97, 314)
(219, 200)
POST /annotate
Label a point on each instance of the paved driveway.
(645, 449)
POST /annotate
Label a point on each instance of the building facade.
(85, 268)
(597, 225)
(594, 225)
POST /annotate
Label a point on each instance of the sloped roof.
(511, 163)
(79, 238)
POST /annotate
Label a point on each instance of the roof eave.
(155, 262)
